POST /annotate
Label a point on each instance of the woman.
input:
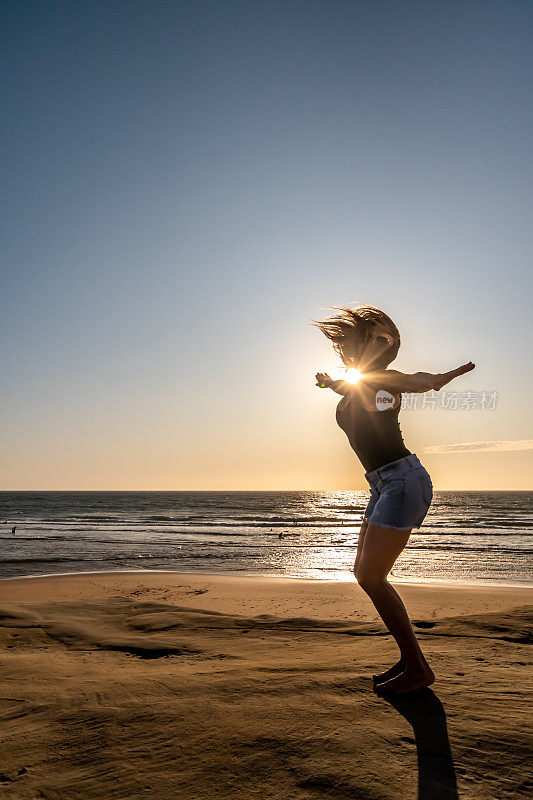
(400, 487)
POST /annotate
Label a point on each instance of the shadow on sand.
(425, 713)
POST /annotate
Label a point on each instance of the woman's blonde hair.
(349, 332)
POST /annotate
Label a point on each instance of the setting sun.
(352, 375)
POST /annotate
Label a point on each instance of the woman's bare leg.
(360, 542)
(381, 548)
(399, 666)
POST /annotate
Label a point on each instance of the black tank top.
(374, 435)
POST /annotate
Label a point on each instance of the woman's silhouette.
(401, 491)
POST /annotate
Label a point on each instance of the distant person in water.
(367, 340)
(13, 529)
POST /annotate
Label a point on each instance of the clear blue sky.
(187, 184)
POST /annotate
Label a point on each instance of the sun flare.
(352, 375)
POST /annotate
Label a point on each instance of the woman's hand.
(465, 368)
(323, 380)
(445, 377)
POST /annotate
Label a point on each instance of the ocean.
(467, 537)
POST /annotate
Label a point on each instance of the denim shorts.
(400, 494)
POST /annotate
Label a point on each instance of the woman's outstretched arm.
(396, 381)
(442, 378)
(416, 382)
(325, 382)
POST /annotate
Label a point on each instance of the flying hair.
(350, 329)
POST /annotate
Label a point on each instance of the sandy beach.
(153, 684)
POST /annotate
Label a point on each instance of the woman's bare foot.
(390, 673)
(412, 678)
